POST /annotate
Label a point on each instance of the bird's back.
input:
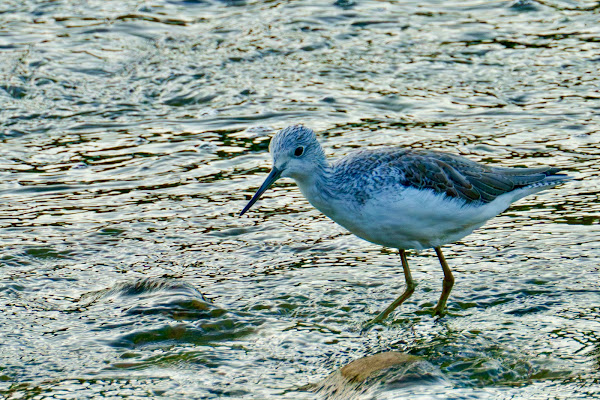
(365, 173)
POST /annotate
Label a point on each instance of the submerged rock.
(364, 375)
(359, 370)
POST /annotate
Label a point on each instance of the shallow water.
(133, 133)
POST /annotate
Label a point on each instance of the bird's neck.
(316, 186)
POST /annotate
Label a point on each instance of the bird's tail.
(532, 180)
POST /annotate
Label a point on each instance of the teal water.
(133, 132)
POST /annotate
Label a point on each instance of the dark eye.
(298, 152)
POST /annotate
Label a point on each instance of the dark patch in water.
(184, 313)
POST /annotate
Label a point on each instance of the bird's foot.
(371, 323)
(438, 311)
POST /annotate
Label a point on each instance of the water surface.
(133, 132)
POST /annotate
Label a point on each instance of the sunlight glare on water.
(132, 133)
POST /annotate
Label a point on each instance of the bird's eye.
(298, 152)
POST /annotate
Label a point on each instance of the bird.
(402, 198)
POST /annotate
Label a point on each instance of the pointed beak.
(273, 176)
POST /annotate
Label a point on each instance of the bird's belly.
(409, 233)
(412, 219)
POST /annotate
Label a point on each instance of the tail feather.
(524, 177)
(526, 184)
(507, 171)
(552, 180)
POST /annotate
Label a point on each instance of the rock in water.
(359, 370)
(362, 375)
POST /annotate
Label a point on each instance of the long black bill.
(273, 176)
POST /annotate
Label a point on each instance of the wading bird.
(402, 198)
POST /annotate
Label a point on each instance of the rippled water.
(133, 132)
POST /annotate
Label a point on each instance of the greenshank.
(402, 198)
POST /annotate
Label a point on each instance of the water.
(133, 132)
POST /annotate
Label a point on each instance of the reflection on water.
(133, 133)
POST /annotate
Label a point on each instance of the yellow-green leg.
(410, 288)
(446, 286)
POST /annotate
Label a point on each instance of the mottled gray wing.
(460, 177)
(452, 175)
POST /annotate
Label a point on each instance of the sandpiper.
(402, 198)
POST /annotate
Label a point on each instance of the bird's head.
(296, 154)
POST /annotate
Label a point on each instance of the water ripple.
(132, 134)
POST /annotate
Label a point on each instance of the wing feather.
(444, 173)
